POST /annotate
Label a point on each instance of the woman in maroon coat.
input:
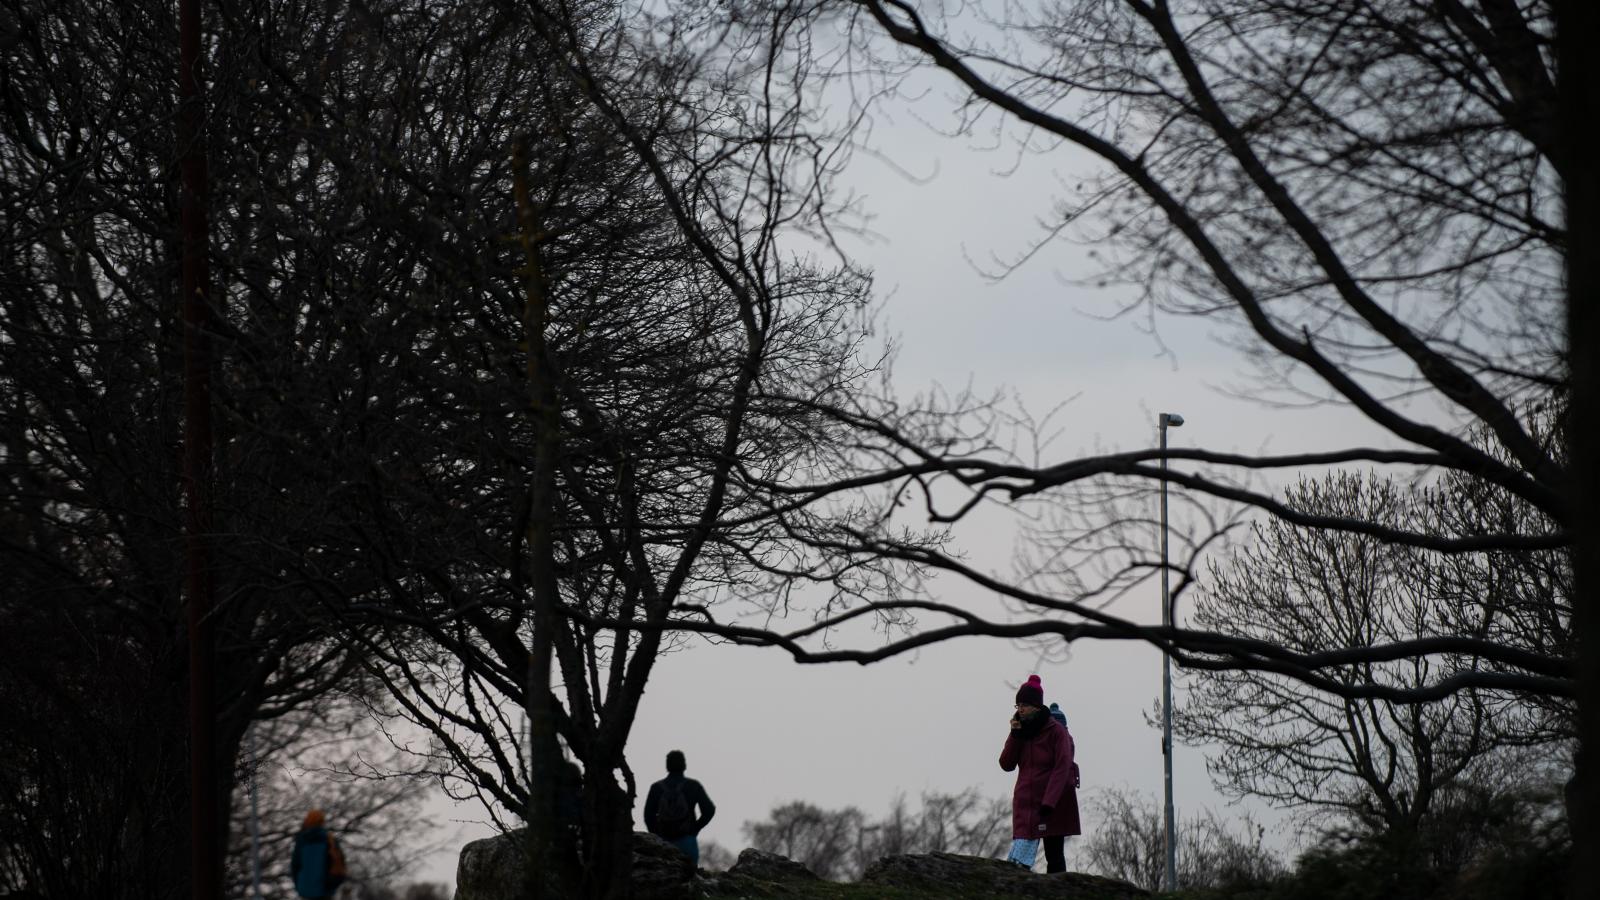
(1045, 801)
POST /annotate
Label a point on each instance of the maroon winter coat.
(1044, 765)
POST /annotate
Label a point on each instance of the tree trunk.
(548, 871)
(608, 836)
(1579, 89)
(205, 829)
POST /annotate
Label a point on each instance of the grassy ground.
(827, 890)
(936, 877)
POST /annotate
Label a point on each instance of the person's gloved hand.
(1045, 810)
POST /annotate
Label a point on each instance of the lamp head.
(1172, 419)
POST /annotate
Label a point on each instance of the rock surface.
(660, 870)
(952, 875)
(762, 866)
(492, 869)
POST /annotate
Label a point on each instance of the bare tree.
(1129, 844)
(840, 844)
(1511, 808)
(716, 858)
(822, 840)
(1313, 589)
(1372, 193)
(1380, 196)
(964, 822)
(1130, 841)
(88, 388)
(340, 757)
(568, 429)
(1256, 171)
(422, 425)
(1520, 599)
(1252, 171)
(1190, 114)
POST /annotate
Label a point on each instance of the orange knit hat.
(313, 819)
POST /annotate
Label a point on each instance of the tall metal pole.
(1171, 877)
(205, 856)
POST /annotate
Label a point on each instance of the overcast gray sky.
(759, 730)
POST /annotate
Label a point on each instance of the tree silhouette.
(1364, 759)
(1383, 199)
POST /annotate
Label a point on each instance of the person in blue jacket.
(317, 865)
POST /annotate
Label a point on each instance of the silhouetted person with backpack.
(317, 865)
(669, 808)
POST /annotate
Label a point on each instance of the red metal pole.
(205, 824)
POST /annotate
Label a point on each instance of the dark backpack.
(675, 815)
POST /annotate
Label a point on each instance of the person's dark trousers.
(1055, 854)
(690, 845)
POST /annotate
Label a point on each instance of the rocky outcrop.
(493, 868)
(759, 865)
(660, 870)
(951, 875)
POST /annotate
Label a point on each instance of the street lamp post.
(1174, 420)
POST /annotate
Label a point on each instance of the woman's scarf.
(1033, 724)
